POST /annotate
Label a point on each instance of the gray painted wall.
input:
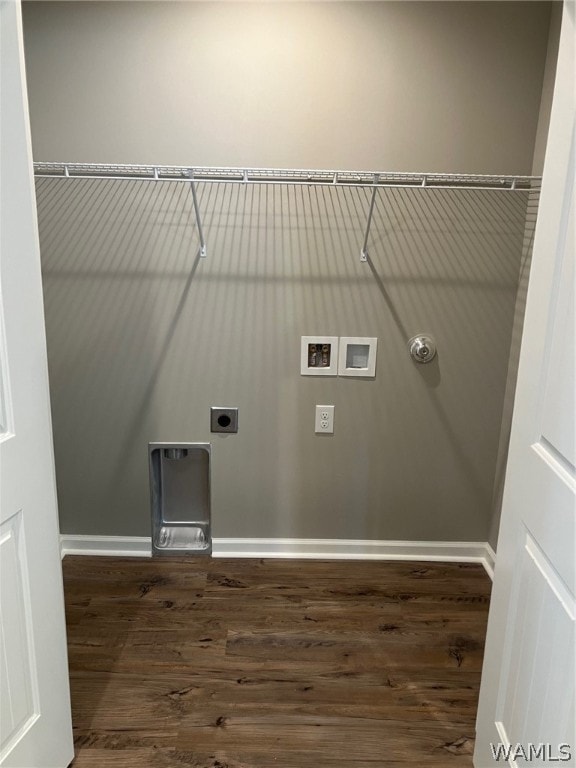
(392, 86)
(142, 340)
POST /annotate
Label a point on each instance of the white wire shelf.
(286, 176)
(373, 180)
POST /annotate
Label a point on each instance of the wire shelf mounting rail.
(284, 176)
(368, 179)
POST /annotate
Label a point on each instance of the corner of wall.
(548, 80)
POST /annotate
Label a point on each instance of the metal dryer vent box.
(180, 498)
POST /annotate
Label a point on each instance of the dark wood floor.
(273, 663)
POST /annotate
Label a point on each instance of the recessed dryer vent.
(180, 498)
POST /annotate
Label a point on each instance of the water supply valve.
(422, 348)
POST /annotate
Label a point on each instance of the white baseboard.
(311, 549)
(489, 560)
(357, 549)
(112, 546)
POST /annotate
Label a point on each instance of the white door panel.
(5, 398)
(534, 701)
(557, 427)
(35, 726)
(527, 697)
(20, 706)
(547, 469)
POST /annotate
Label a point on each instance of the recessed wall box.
(357, 356)
(180, 498)
(319, 356)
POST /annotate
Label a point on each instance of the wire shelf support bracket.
(364, 249)
(202, 251)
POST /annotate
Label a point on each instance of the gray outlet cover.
(223, 419)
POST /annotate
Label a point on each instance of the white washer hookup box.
(319, 356)
(357, 356)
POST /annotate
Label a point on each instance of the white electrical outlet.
(324, 423)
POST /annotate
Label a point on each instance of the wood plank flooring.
(215, 663)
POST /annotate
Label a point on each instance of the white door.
(526, 710)
(35, 721)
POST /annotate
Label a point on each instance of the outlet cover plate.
(324, 420)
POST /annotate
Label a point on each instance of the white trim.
(305, 549)
(489, 560)
(355, 549)
(116, 546)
